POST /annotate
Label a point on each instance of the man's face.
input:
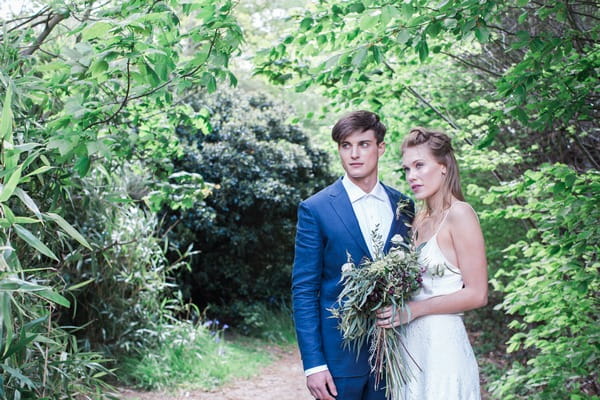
(360, 153)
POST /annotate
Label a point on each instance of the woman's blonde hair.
(441, 148)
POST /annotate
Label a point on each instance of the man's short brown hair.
(358, 121)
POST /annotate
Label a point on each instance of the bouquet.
(389, 280)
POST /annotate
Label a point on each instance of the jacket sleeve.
(306, 285)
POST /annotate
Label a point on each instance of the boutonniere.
(402, 206)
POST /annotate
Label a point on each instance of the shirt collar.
(355, 193)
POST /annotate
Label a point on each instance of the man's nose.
(354, 152)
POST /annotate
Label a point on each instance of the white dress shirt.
(375, 215)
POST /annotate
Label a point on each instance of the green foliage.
(273, 323)
(551, 280)
(129, 292)
(82, 82)
(194, 356)
(261, 167)
(535, 67)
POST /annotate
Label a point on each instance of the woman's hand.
(388, 317)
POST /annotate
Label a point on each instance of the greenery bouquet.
(389, 280)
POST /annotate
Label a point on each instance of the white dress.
(439, 343)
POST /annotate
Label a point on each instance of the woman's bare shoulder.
(461, 212)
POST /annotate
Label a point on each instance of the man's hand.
(321, 385)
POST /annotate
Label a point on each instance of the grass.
(194, 356)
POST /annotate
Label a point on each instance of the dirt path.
(281, 380)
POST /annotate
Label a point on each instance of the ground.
(281, 380)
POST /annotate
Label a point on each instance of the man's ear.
(381, 148)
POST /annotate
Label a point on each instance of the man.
(339, 220)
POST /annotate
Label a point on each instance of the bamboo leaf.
(7, 117)
(16, 374)
(34, 242)
(28, 201)
(68, 228)
(54, 297)
(9, 188)
(40, 170)
(80, 284)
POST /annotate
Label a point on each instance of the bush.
(551, 281)
(129, 292)
(261, 167)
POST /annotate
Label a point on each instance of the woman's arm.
(468, 245)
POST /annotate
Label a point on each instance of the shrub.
(551, 281)
(261, 167)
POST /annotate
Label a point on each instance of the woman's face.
(424, 174)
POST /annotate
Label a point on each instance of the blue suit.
(327, 230)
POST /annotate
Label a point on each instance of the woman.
(447, 233)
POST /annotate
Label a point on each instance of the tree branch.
(54, 20)
(467, 63)
(123, 102)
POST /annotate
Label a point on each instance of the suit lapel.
(343, 208)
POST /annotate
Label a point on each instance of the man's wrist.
(316, 369)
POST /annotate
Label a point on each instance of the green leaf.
(9, 188)
(98, 68)
(422, 49)
(18, 376)
(34, 242)
(98, 29)
(368, 21)
(357, 7)
(68, 229)
(359, 56)
(28, 201)
(82, 166)
(377, 54)
(7, 117)
(39, 170)
(482, 34)
(53, 297)
(404, 36)
(306, 23)
(80, 284)
(208, 80)
(434, 28)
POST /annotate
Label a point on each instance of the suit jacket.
(327, 230)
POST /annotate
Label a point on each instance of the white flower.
(401, 255)
(347, 267)
(397, 239)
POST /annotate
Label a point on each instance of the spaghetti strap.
(443, 219)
